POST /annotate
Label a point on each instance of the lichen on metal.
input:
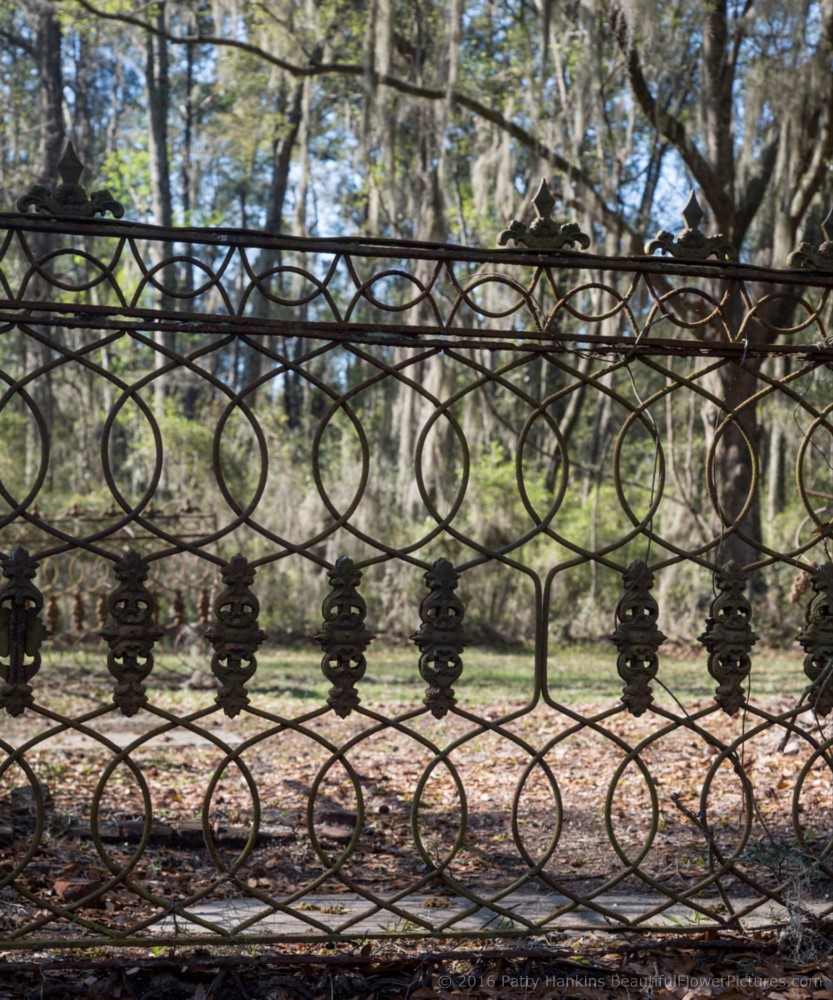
(637, 637)
(441, 637)
(808, 257)
(690, 244)
(543, 233)
(729, 637)
(21, 631)
(235, 635)
(130, 632)
(343, 636)
(816, 639)
(69, 198)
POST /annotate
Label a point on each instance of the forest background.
(430, 121)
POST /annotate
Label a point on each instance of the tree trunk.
(158, 98)
(50, 149)
(50, 95)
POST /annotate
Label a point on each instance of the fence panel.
(500, 496)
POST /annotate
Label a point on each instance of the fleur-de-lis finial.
(543, 233)
(809, 258)
(690, 243)
(69, 199)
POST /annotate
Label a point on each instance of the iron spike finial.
(69, 198)
(544, 233)
(692, 213)
(807, 257)
(691, 244)
(70, 167)
(543, 201)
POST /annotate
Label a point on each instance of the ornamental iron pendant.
(441, 637)
(69, 199)
(637, 637)
(343, 636)
(691, 244)
(543, 233)
(130, 632)
(21, 631)
(729, 638)
(817, 641)
(235, 636)
(811, 258)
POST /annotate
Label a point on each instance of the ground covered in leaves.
(580, 809)
(171, 796)
(590, 968)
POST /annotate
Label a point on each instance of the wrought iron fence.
(460, 449)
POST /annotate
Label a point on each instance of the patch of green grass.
(290, 679)
(586, 672)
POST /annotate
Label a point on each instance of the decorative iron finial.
(543, 233)
(817, 641)
(690, 243)
(343, 636)
(809, 258)
(441, 637)
(21, 631)
(729, 638)
(235, 635)
(69, 200)
(130, 632)
(637, 637)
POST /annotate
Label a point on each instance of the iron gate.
(493, 457)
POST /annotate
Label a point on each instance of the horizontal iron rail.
(410, 249)
(555, 342)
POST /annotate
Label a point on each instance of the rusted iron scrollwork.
(235, 636)
(21, 631)
(729, 638)
(637, 637)
(817, 641)
(343, 636)
(691, 244)
(130, 632)
(441, 637)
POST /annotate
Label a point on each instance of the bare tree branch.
(810, 180)
(669, 126)
(609, 215)
(18, 41)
